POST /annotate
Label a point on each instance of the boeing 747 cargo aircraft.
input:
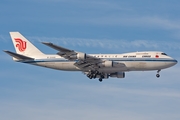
(101, 66)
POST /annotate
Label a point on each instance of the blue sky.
(96, 26)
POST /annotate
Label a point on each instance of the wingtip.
(46, 43)
(5, 51)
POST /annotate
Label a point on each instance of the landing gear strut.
(158, 75)
(93, 74)
(101, 78)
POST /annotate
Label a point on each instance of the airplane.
(101, 66)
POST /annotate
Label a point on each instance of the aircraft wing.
(84, 60)
(90, 62)
(63, 52)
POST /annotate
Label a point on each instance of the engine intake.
(81, 56)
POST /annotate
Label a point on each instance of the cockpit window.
(163, 54)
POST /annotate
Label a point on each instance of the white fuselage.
(100, 66)
(135, 61)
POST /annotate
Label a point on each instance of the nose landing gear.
(158, 75)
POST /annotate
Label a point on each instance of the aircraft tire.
(157, 75)
(100, 79)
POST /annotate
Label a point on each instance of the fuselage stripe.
(117, 60)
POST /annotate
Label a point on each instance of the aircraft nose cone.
(171, 63)
(175, 61)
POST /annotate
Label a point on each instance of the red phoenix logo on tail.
(20, 44)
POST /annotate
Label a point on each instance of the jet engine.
(110, 64)
(106, 64)
(81, 56)
(118, 75)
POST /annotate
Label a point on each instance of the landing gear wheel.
(96, 72)
(90, 77)
(157, 75)
(100, 79)
(94, 76)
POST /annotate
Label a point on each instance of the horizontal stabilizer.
(18, 56)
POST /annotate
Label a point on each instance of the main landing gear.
(158, 75)
(94, 74)
(101, 78)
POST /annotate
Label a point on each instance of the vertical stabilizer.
(24, 46)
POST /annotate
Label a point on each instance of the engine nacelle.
(111, 64)
(74, 57)
(118, 75)
(81, 56)
(107, 64)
